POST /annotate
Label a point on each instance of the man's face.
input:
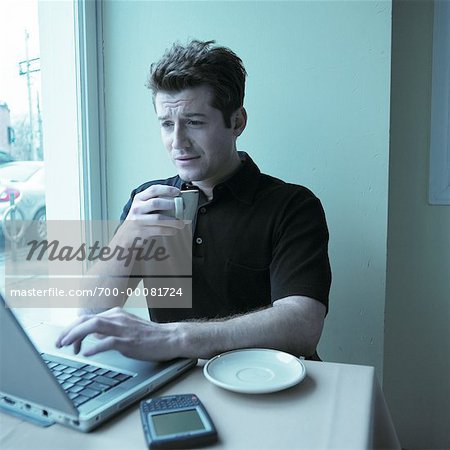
(201, 147)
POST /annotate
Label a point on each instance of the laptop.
(47, 387)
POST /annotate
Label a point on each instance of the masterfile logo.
(77, 263)
(140, 250)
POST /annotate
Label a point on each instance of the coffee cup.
(185, 205)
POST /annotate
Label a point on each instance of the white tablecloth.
(337, 406)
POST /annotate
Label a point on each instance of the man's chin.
(188, 176)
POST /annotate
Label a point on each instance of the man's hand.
(118, 330)
(147, 219)
(148, 215)
(156, 200)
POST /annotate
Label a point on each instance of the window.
(68, 104)
(21, 124)
(70, 79)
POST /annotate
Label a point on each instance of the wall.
(318, 103)
(417, 335)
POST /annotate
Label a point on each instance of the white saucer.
(254, 370)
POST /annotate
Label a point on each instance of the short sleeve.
(300, 263)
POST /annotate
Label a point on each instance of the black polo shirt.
(258, 240)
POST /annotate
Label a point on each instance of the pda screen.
(177, 422)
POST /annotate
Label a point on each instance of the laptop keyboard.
(82, 382)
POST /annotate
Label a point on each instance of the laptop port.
(45, 412)
(76, 423)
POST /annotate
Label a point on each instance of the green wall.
(318, 103)
(417, 335)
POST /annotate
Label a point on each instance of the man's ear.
(239, 121)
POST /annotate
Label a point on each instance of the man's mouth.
(185, 159)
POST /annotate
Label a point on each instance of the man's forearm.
(106, 289)
(293, 324)
(106, 278)
(135, 240)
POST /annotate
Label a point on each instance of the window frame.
(91, 108)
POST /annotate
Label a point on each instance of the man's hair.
(202, 63)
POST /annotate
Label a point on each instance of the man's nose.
(180, 139)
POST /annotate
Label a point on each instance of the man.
(261, 275)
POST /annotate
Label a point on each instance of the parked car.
(25, 182)
(5, 157)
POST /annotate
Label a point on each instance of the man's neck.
(207, 186)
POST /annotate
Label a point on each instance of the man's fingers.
(108, 343)
(118, 313)
(67, 330)
(116, 328)
(152, 205)
(99, 336)
(158, 190)
(77, 347)
(96, 324)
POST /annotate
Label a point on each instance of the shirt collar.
(243, 183)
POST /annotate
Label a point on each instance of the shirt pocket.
(247, 287)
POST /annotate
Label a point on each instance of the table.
(337, 406)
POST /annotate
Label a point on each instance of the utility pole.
(40, 151)
(27, 71)
(30, 104)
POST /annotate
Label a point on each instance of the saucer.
(254, 370)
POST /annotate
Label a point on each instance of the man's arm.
(292, 324)
(144, 220)
(106, 277)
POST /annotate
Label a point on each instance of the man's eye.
(166, 124)
(196, 123)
